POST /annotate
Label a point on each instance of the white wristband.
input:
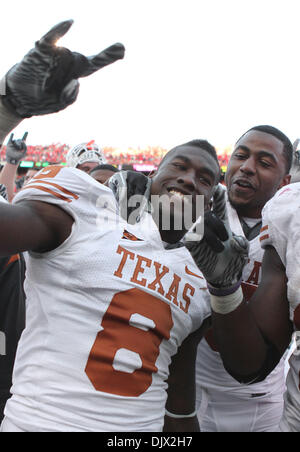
(180, 416)
(228, 303)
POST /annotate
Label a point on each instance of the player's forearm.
(181, 425)
(7, 178)
(8, 121)
(240, 342)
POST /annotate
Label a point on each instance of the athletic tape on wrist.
(180, 416)
(226, 304)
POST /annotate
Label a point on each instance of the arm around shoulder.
(180, 407)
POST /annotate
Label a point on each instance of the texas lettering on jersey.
(250, 284)
(174, 292)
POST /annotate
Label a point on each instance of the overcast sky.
(193, 68)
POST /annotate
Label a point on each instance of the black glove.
(46, 80)
(16, 149)
(219, 254)
(132, 192)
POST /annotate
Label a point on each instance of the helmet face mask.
(85, 152)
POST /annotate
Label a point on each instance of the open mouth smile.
(179, 194)
(244, 184)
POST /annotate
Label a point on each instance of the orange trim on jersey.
(264, 228)
(59, 187)
(48, 172)
(47, 190)
(13, 259)
(264, 237)
(284, 191)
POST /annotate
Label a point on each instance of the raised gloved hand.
(16, 149)
(220, 254)
(46, 80)
(132, 191)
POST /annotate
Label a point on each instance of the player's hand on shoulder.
(132, 191)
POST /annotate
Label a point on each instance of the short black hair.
(105, 166)
(205, 146)
(287, 144)
(202, 145)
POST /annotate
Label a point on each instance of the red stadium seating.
(56, 153)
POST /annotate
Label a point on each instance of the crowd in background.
(151, 155)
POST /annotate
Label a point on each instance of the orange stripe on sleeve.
(47, 190)
(264, 228)
(59, 187)
(264, 237)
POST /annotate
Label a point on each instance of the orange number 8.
(118, 333)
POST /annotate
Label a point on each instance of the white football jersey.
(106, 310)
(281, 229)
(210, 371)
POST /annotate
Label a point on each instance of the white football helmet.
(85, 152)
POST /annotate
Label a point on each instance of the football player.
(12, 274)
(108, 302)
(259, 166)
(253, 337)
(85, 156)
(12, 318)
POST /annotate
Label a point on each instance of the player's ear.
(285, 181)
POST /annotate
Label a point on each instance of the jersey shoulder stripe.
(59, 187)
(63, 185)
(51, 182)
(263, 233)
(47, 190)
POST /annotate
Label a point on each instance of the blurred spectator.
(20, 177)
(30, 174)
(15, 152)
